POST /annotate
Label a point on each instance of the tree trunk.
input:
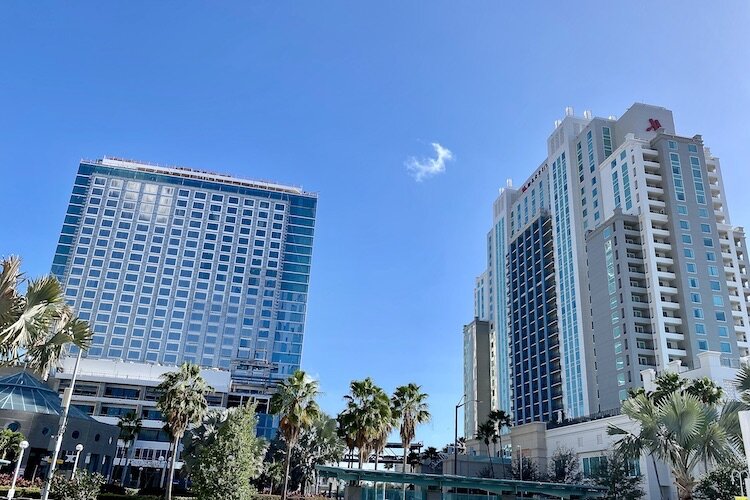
(376, 459)
(125, 456)
(403, 486)
(492, 467)
(286, 469)
(502, 457)
(172, 465)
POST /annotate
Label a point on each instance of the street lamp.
(455, 430)
(12, 491)
(79, 449)
(163, 464)
(67, 396)
(520, 463)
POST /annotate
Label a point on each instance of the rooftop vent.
(587, 114)
(569, 111)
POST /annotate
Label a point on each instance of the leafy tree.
(204, 434)
(227, 463)
(83, 486)
(347, 430)
(501, 420)
(564, 467)
(413, 459)
(295, 402)
(526, 470)
(705, 390)
(37, 326)
(318, 444)
(722, 483)
(431, 457)
(130, 425)
(487, 433)
(411, 409)
(680, 430)
(10, 444)
(614, 474)
(182, 403)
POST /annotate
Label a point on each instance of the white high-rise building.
(616, 255)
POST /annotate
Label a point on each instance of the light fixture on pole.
(67, 396)
(79, 449)
(520, 462)
(455, 430)
(12, 491)
(163, 465)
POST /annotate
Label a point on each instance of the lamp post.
(61, 429)
(455, 430)
(520, 462)
(163, 464)
(79, 449)
(12, 491)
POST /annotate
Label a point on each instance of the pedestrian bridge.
(436, 487)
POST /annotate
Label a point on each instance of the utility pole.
(61, 428)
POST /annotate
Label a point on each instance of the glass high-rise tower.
(173, 264)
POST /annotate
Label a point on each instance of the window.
(700, 329)
(702, 345)
(695, 298)
(682, 209)
(718, 301)
(713, 271)
(705, 228)
(721, 316)
(709, 242)
(693, 282)
(698, 313)
(689, 253)
(684, 225)
(687, 239)
(691, 267)
(726, 347)
(711, 256)
(723, 331)
(715, 285)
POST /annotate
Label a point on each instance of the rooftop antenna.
(569, 111)
(509, 182)
(587, 114)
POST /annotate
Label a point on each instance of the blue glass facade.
(173, 265)
(568, 297)
(535, 347)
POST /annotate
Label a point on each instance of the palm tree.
(295, 402)
(182, 404)
(487, 432)
(501, 421)
(347, 431)
(36, 327)
(130, 425)
(680, 430)
(369, 408)
(410, 407)
(383, 421)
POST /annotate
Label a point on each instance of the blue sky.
(337, 97)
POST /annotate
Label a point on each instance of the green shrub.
(29, 492)
(84, 486)
(115, 496)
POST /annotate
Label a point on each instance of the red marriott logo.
(654, 125)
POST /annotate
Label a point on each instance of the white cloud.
(425, 168)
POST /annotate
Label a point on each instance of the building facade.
(107, 389)
(646, 266)
(172, 264)
(477, 390)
